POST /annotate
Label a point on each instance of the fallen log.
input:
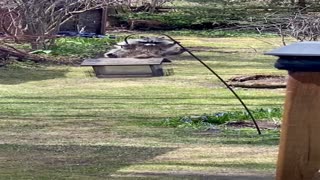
(7, 52)
(258, 81)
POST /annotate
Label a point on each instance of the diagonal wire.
(214, 73)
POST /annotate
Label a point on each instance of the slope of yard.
(58, 122)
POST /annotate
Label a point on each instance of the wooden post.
(110, 19)
(104, 18)
(299, 153)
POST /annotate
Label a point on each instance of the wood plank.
(125, 76)
(123, 61)
(299, 154)
(103, 21)
(122, 70)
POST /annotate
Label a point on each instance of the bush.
(78, 47)
(81, 47)
(201, 16)
(206, 120)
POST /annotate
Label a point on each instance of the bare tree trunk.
(7, 51)
(41, 19)
(153, 5)
(301, 4)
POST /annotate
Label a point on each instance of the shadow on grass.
(11, 75)
(56, 162)
(243, 57)
(241, 167)
(124, 98)
(222, 66)
(250, 137)
(235, 165)
(195, 176)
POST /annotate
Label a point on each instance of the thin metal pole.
(217, 75)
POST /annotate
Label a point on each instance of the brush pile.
(147, 47)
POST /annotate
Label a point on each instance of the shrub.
(81, 47)
(221, 118)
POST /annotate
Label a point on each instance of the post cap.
(301, 56)
(306, 49)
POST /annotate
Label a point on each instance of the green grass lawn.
(58, 122)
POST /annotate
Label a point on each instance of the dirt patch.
(258, 81)
(250, 124)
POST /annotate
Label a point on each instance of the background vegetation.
(239, 15)
(61, 122)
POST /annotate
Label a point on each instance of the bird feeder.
(299, 153)
(129, 67)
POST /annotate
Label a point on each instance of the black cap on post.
(302, 56)
(299, 152)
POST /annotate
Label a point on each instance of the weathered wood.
(257, 85)
(258, 81)
(128, 67)
(157, 70)
(299, 154)
(7, 51)
(122, 70)
(123, 61)
(104, 20)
